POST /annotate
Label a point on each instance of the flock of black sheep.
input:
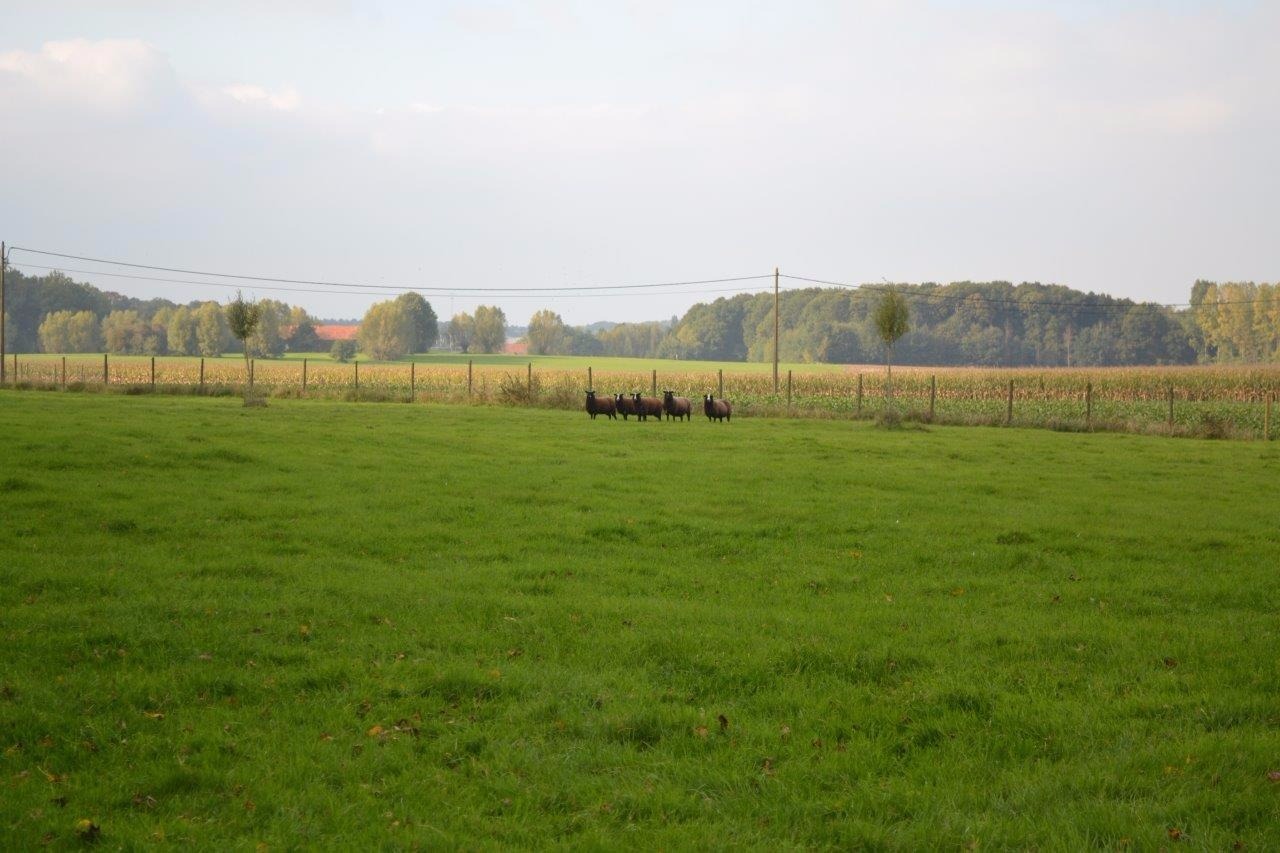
(642, 407)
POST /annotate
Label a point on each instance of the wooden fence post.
(64, 371)
(201, 374)
(1170, 405)
(106, 377)
(304, 376)
(590, 382)
(721, 372)
(153, 373)
(529, 380)
(356, 364)
(468, 379)
(1088, 403)
(1008, 415)
(413, 378)
(655, 383)
(858, 408)
(933, 393)
(253, 364)
(788, 390)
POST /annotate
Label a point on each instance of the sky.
(1117, 147)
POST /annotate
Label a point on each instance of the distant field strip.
(1204, 400)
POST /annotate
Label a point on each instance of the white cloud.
(109, 74)
(285, 99)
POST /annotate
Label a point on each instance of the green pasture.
(335, 625)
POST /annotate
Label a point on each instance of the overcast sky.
(1118, 147)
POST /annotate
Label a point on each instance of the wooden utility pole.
(4, 262)
(775, 330)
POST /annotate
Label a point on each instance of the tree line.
(973, 323)
(964, 323)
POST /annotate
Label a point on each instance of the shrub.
(343, 350)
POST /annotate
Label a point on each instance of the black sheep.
(600, 406)
(625, 405)
(717, 409)
(646, 406)
(676, 407)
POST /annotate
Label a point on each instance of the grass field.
(353, 626)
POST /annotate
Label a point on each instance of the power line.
(516, 294)
(444, 289)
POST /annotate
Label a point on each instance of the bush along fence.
(1214, 401)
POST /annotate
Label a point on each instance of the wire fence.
(1226, 401)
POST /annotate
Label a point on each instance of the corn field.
(1222, 401)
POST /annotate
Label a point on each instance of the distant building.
(516, 347)
(338, 332)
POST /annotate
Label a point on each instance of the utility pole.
(775, 330)
(4, 262)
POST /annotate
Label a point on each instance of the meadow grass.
(337, 625)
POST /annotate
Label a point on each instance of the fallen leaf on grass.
(375, 731)
(1273, 775)
(154, 715)
(325, 736)
(785, 731)
(1176, 834)
(957, 592)
(87, 830)
(1170, 663)
(700, 731)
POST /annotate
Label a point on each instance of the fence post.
(933, 393)
(356, 364)
(304, 376)
(413, 379)
(106, 377)
(64, 371)
(1088, 403)
(788, 390)
(529, 380)
(468, 379)
(590, 382)
(858, 410)
(253, 363)
(721, 372)
(153, 373)
(201, 374)
(655, 383)
(1170, 405)
(1008, 415)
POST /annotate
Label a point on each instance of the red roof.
(516, 348)
(337, 332)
